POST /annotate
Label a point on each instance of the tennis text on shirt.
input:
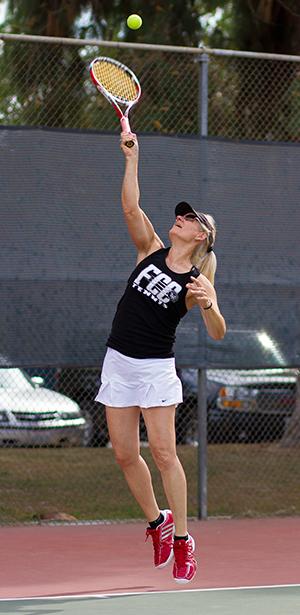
(150, 309)
(159, 286)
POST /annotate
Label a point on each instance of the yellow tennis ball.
(134, 22)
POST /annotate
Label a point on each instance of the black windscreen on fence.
(66, 254)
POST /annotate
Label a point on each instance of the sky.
(2, 11)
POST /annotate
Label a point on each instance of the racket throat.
(126, 128)
(125, 124)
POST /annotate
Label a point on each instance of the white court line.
(150, 593)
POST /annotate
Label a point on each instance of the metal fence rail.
(54, 445)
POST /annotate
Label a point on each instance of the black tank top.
(150, 309)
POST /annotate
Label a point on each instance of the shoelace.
(156, 539)
(183, 552)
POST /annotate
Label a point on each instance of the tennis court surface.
(246, 566)
(248, 601)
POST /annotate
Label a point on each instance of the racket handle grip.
(126, 128)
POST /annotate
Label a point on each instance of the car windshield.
(13, 378)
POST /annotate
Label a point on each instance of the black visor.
(185, 208)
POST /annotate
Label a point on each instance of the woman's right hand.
(129, 152)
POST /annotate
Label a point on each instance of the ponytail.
(206, 261)
(206, 264)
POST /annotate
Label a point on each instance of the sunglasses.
(190, 217)
(199, 217)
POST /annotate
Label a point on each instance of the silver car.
(31, 415)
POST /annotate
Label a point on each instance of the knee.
(125, 457)
(164, 458)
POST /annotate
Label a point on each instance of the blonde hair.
(206, 261)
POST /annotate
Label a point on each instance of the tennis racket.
(119, 85)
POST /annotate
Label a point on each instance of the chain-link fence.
(57, 463)
(248, 96)
(54, 445)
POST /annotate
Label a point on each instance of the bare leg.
(160, 423)
(123, 426)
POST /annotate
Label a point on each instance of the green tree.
(275, 29)
(37, 75)
(256, 99)
(43, 76)
(258, 104)
(271, 26)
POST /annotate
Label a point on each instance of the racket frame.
(116, 101)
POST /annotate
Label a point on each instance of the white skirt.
(146, 383)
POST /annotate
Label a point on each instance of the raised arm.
(140, 228)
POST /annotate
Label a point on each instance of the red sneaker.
(185, 565)
(162, 539)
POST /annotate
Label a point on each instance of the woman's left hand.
(198, 289)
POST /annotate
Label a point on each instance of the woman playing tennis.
(138, 373)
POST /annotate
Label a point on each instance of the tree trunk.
(291, 436)
(264, 10)
(271, 26)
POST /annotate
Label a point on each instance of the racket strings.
(115, 80)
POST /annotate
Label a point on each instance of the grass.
(243, 480)
(253, 480)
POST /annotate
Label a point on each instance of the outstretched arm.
(140, 228)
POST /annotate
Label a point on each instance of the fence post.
(202, 444)
(202, 397)
(203, 130)
(203, 95)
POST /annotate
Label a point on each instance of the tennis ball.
(134, 22)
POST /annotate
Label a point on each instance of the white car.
(31, 415)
